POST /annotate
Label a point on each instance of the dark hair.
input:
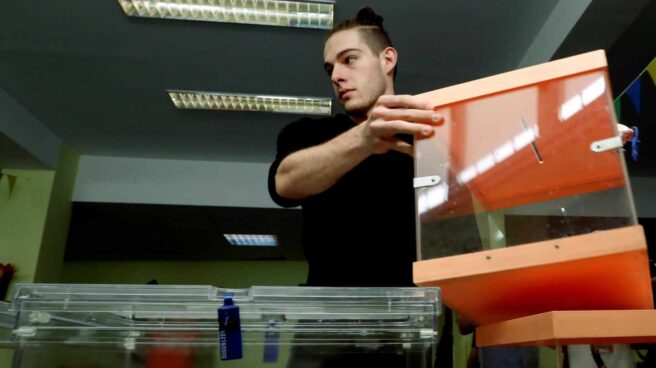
(370, 26)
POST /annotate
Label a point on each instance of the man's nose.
(337, 75)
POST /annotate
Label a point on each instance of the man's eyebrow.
(347, 50)
(327, 65)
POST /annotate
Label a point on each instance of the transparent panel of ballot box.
(7, 320)
(534, 163)
(58, 325)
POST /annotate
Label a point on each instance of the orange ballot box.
(570, 338)
(523, 201)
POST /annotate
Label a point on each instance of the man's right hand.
(315, 169)
(397, 114)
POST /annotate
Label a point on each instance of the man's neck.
(364, 117)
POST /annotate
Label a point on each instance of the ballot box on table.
(60, 325)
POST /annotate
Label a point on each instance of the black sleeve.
(292, 138)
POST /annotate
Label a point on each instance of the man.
(352, 173)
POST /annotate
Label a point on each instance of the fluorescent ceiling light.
(252, 240)
(305, 14)
(244, 102)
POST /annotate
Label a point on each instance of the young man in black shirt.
(352, 173)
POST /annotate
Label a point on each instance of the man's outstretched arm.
(315, 169)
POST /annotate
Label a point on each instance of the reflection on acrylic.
(432, 197)
(576, 103)
(521, 140)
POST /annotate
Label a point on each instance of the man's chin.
(354, 108)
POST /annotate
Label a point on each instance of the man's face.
(355, 72)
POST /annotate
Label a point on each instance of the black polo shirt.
(361, 231)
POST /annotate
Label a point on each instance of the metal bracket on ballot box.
(606, 144)
(426, 181)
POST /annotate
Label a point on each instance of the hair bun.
(367, 16)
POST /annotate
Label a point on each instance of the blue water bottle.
(230, 345)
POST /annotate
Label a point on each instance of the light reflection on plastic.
(503, 152)
(485, 164)
(523, 139)
(467, 174)
(577, 102)
(432, 197)
(593, 91)
(571, 107)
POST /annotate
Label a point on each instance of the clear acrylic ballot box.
(58, 325)
(523, 201)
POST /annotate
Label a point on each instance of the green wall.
(34, 219)
(23, 214)
(55, 233)
(34, 222)
(461, 345)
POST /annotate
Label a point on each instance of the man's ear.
(388, 58)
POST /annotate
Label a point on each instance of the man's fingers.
(409, 115)
(400, 146)
(399, 114)
(384, 128)
(626, 133)
(403, 101)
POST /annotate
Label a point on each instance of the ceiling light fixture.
(252, 240)
(303, 14)
(244, 102)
